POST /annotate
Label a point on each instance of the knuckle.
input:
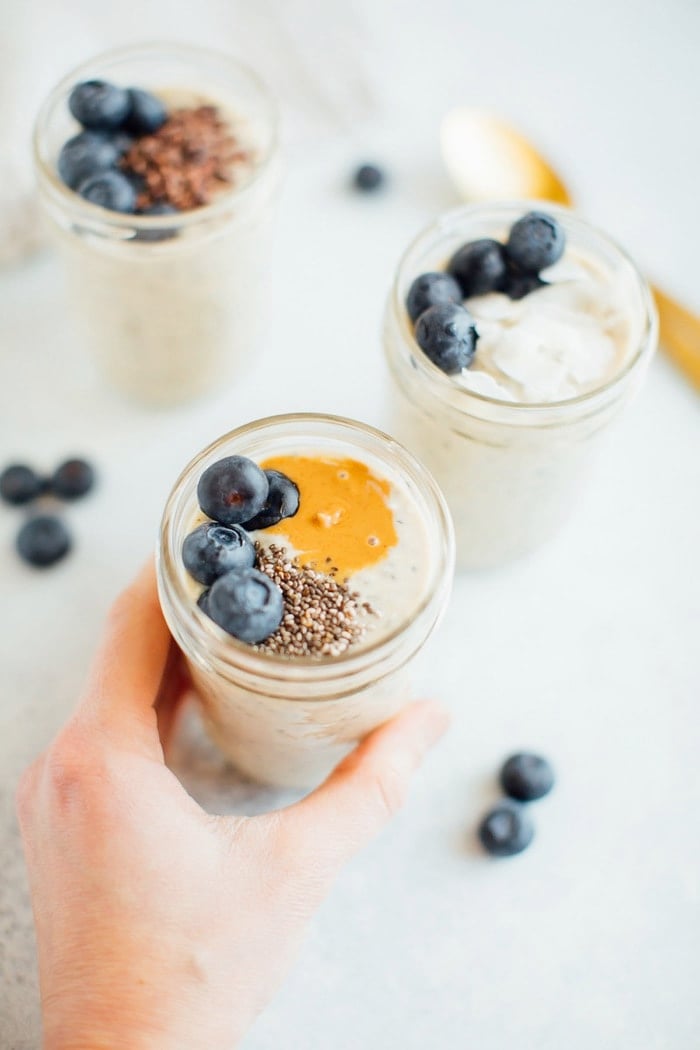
(67, 766)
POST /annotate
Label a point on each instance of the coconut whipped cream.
(560, 341)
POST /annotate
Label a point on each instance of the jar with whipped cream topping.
(288, 720)
(171, 305)
(511, 438)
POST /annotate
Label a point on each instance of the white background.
(588, 651)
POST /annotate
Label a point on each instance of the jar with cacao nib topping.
(158, 171)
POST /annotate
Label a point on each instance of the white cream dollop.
(558, 342)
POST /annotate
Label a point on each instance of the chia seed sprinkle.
(322, 616)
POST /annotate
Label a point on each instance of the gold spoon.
(488, 159)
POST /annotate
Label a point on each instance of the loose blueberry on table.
(72, 479)
(369, 178)
(444, 329)
(20, 484)
(506, 830)
(527, 777)
(240, 498)
(43, 540)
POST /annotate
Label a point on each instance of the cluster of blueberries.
(240, 497)
(44, 539)
(507, 829)
(444, 328)
(112, 117)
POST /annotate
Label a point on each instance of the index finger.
(131, 661)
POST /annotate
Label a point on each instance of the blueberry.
(535, 242)
(72, 479)
(20, 484)
(479, 267)
(122, 142)
(247, 604)
(282, 501)
(203, 602)
(232, 490)
(159, 208)
(212, 549)
(85, 155)
(43, 540)
(518, 285)
(526, 777)
(98, 105)
(146, 112)
(431, 289)
(368, 178)
(447, 335)
(111, 190)
(506, 830)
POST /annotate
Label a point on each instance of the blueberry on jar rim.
(99, 105)
(232, 490)
(111, 190)
(212, 550)
(479, 267)
(146, 115)
(85, 155)
(535, 241)
(431, 289)
(282, 502)
(246, 604)
(447, 335)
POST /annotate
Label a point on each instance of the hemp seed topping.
(322, 616)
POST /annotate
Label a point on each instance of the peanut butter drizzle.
(344, 522)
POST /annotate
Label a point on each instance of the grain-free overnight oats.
(156, 168)
(304, 561)
(514, 335)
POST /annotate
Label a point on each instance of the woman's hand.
(158, 925)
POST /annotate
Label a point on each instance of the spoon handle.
(679, 335)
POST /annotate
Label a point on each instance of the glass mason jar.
(170, 305)
(283, 720)
(510, 471)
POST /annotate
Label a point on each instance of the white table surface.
(587, 652)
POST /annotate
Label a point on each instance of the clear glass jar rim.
(270, 666)
(444, 224)
(72, 202)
